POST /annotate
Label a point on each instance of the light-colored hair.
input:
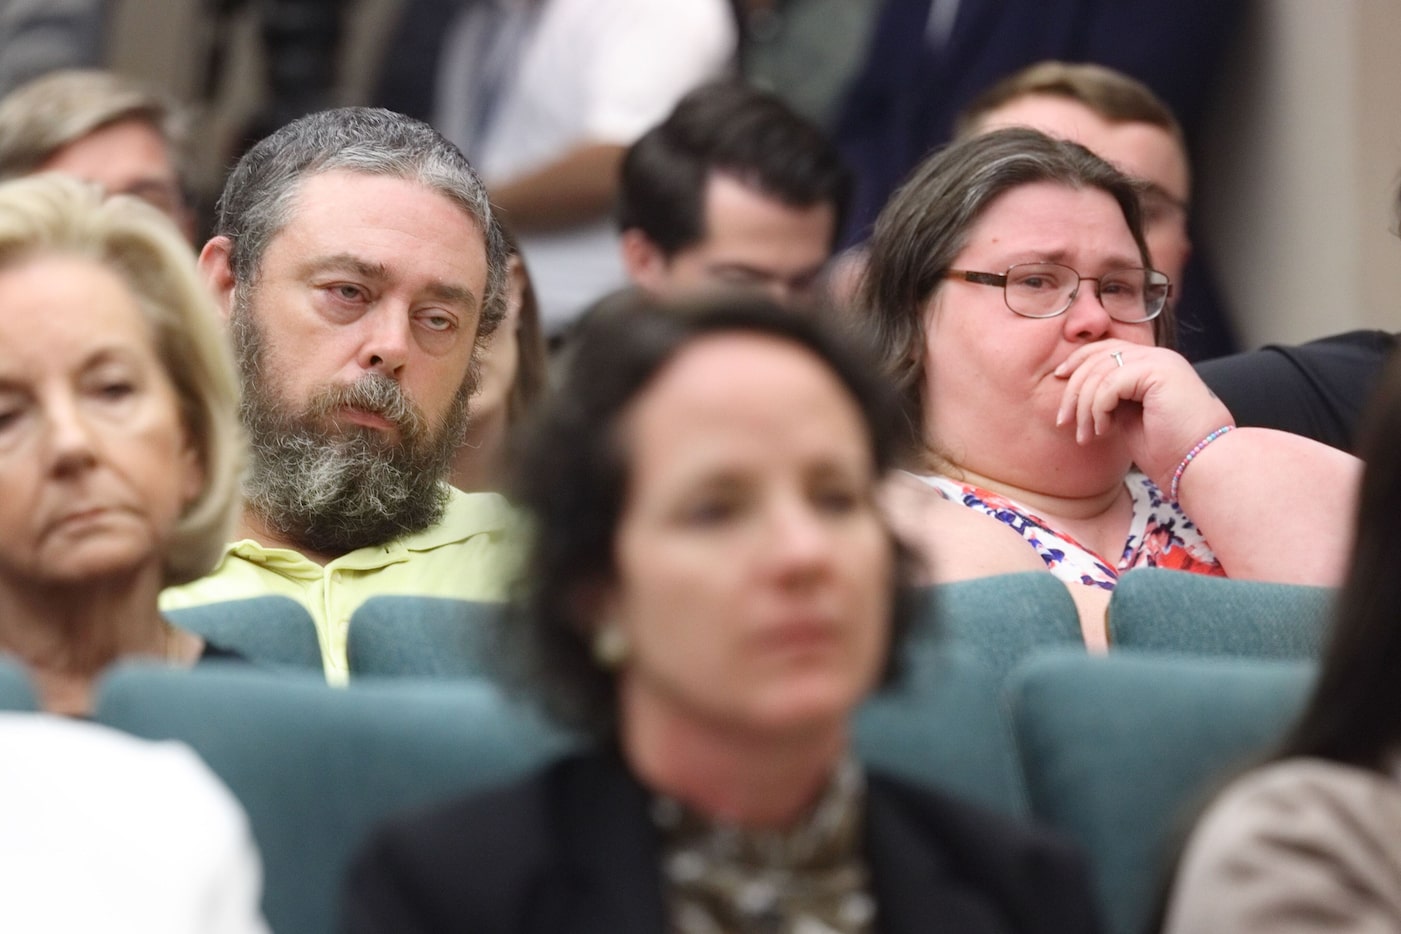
(262, 188)
(1111, 94)
(50, 214)
(42, 116)
(926, 224)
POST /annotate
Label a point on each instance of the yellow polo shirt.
(473, 553)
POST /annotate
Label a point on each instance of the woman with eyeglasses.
(1051, 426)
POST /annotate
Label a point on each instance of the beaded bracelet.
(1191, 455)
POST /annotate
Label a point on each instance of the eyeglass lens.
(1043, 290)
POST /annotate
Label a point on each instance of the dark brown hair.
(573, 473)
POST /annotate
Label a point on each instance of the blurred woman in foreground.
(1312, 842)
(713, 593)
(1051, 426)
(119, 442)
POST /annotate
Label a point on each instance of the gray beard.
(330, 489)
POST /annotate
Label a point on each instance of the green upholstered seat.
(1001, 619)
(1200, 615)
(16, 690)
(1119, 751)
(317, 766)
(996, 619)
(273, 630)
(943, 725)
(423, 636)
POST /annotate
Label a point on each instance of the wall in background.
(1299, 170)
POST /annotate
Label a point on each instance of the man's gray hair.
(260, 192)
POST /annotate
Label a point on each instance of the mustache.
(375, 394)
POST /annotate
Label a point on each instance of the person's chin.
(814, 703)
(94, 558)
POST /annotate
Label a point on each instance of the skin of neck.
(1076, 507)
(761, 780)
(1099, 520)
(66, 635)
(477, 466)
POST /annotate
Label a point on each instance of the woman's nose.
(800, 540)
(1085, 318)
(70, 435)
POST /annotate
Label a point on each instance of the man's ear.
(215, 267)
(643, 260)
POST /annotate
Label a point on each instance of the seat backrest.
(316, 767)
(16, 690)
(272, 629)
(1000, 619)
(1120, 751)
(1200, 615)
(422, 636)
(942, 724)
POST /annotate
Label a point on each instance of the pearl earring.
(610, 646)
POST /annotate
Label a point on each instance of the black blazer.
(573, 850)
(1319, 390)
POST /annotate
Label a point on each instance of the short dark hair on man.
(573, 476)
(738, 130)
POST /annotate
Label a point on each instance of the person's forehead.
(1143, 150)
(330, 190)
(727, 382)
(99, 307)
(736, 211)
(1052, 222)
(131, 146)
(341, 204)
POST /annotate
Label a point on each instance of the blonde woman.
(119, 445)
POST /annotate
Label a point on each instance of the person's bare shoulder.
(952, 541)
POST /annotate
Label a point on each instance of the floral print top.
(1160, 536)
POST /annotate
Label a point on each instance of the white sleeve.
(102, 831)
(649, 54)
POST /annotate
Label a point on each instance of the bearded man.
(360, 270)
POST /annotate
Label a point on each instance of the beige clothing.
(1301, 845)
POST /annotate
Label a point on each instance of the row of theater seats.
(999, 619)
(1114, 751)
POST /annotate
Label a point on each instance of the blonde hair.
(1113, 95)
(53, 214)
(42, 116)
